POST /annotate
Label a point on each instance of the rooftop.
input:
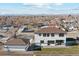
(50, 29)
(16, 42)
(27, 30)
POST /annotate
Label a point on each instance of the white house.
(50, 36)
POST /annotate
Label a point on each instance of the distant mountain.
(34, 14)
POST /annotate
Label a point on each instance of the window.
(50, 42)
(59, 42)
(42, 41)
(61, 35)
(47, 34)
(39, 34)
(52, 34)
(44, 34)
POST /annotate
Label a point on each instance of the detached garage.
(16, 45)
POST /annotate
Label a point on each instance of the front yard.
(74, 50)
(70, 51)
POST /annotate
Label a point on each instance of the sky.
(38, 8)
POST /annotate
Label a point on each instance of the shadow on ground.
(34, 47)
(71, 42)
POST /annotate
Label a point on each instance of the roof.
(25, 36)
(15, 42)
(52, 24)
(1, 43)
(50, 29)
(27, 30)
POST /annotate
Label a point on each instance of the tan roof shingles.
(50, 29)
(15, 42)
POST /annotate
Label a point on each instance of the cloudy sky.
(40, 8)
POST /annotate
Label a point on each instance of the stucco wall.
(56, 37)
(14, 48)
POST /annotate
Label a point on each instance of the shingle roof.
(15, 42)
(50, 29)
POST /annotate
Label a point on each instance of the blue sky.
(40, 8)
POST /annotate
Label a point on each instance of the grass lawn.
(74, 50)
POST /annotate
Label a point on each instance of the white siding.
(56, 37)
(14, 48)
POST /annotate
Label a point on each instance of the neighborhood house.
(16, 45)
(50, 36)
(25, 33)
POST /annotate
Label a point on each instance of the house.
(16, 45)
(5, 28)
(25, 30)
(50, 36)
(25, 33)
(70, 23)
(4, 37)
(53, 23)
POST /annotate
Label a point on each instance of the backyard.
(67, 51)
(74, 50)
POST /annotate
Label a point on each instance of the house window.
(52, 34)
(44, 34)
(61, 35)
(50, 42)
(47, 34)
(39, 34)
(59, 42)
(42, 41)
